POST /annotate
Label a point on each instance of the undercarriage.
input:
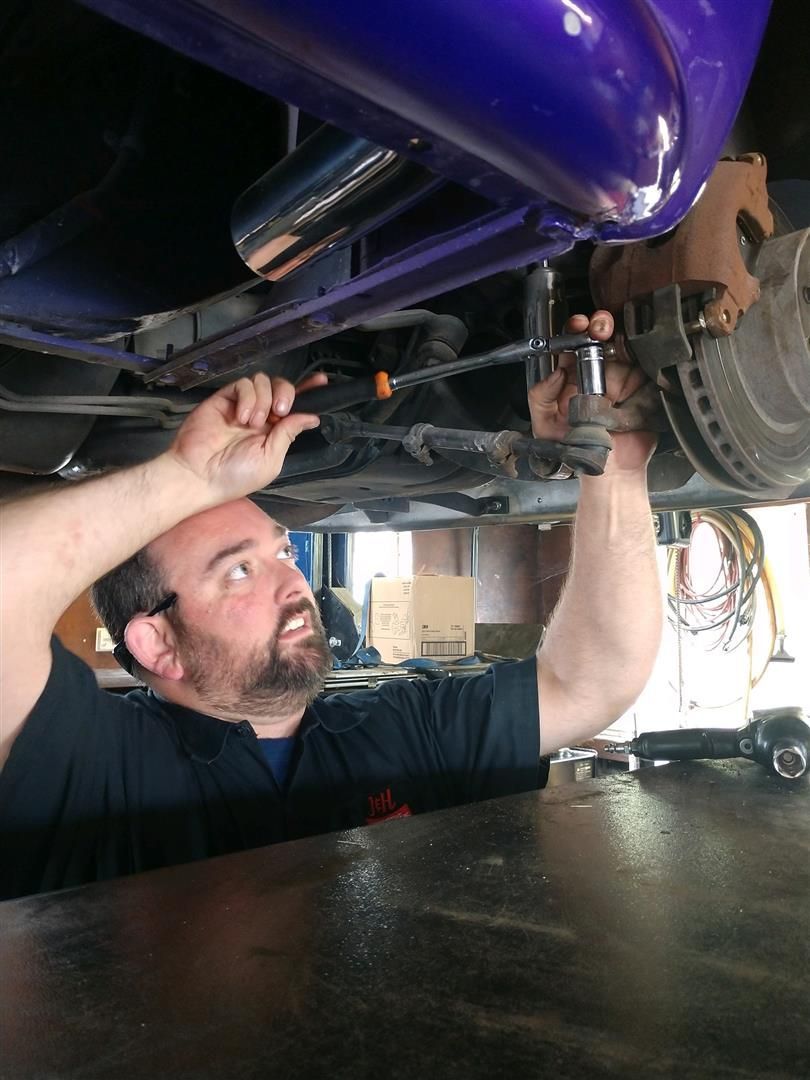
(129, 291)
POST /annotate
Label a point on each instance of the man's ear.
(152, 643)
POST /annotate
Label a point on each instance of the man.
(229, 748)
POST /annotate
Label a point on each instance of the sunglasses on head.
(122, 653)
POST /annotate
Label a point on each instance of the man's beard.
(271, 680)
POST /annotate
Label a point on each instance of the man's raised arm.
(54, 545)
(603, 639)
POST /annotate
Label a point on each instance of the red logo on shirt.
(383, 807)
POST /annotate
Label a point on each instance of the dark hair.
(133, 587)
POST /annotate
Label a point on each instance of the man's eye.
(239, 572)
(288, 552)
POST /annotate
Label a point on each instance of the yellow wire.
(766, 584)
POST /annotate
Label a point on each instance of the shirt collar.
(204, 737)
(335, 714)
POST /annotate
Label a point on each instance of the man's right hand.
(236, 440)
(55, 544)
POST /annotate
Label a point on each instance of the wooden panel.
(442, 551)
(553, 559)
(508, 589)
(77, 632)
(521, 570)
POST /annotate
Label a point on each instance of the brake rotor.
(747, 427)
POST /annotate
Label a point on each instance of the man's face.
(249, 634)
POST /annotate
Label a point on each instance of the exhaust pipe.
(330, 191)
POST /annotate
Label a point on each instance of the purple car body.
(576, 119)
(614, 110)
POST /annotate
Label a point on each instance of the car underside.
(166, 227)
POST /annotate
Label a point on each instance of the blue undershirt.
(278, 753)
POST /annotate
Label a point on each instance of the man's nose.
(290, 584)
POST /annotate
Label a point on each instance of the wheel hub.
(749, 394)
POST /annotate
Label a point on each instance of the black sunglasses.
(122, 653)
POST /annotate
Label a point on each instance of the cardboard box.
(425, 616)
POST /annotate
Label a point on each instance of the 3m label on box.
(422, 616)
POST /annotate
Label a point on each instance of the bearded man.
(230, 745)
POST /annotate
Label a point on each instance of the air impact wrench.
(779, 739)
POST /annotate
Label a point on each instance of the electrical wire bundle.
(726, 610)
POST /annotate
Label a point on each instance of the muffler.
(331, 190)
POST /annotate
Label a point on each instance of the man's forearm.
(55, 545)
(604, 637)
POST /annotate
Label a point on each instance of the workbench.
(646, 925)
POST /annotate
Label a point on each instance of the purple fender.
(613, 109)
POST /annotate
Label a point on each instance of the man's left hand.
(548, 400)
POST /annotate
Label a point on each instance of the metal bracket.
(414, 445)
(466, 504)
(702, 254)
(665, 343)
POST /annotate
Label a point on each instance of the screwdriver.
(381, 385)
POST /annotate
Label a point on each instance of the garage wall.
(521, 569)
(77, 632)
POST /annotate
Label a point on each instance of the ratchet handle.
(684, 744)
(337, 396)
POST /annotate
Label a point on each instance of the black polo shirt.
(99, 785)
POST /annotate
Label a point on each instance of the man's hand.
(236, 440)
(548, 400)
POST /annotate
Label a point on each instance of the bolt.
(170, 378)
(746, 746)
(743, 241)
(200, 365)
(320, 319)
(725, 316)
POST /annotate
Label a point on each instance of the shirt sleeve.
(479, 733)
(487, 729)
(63, 779)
